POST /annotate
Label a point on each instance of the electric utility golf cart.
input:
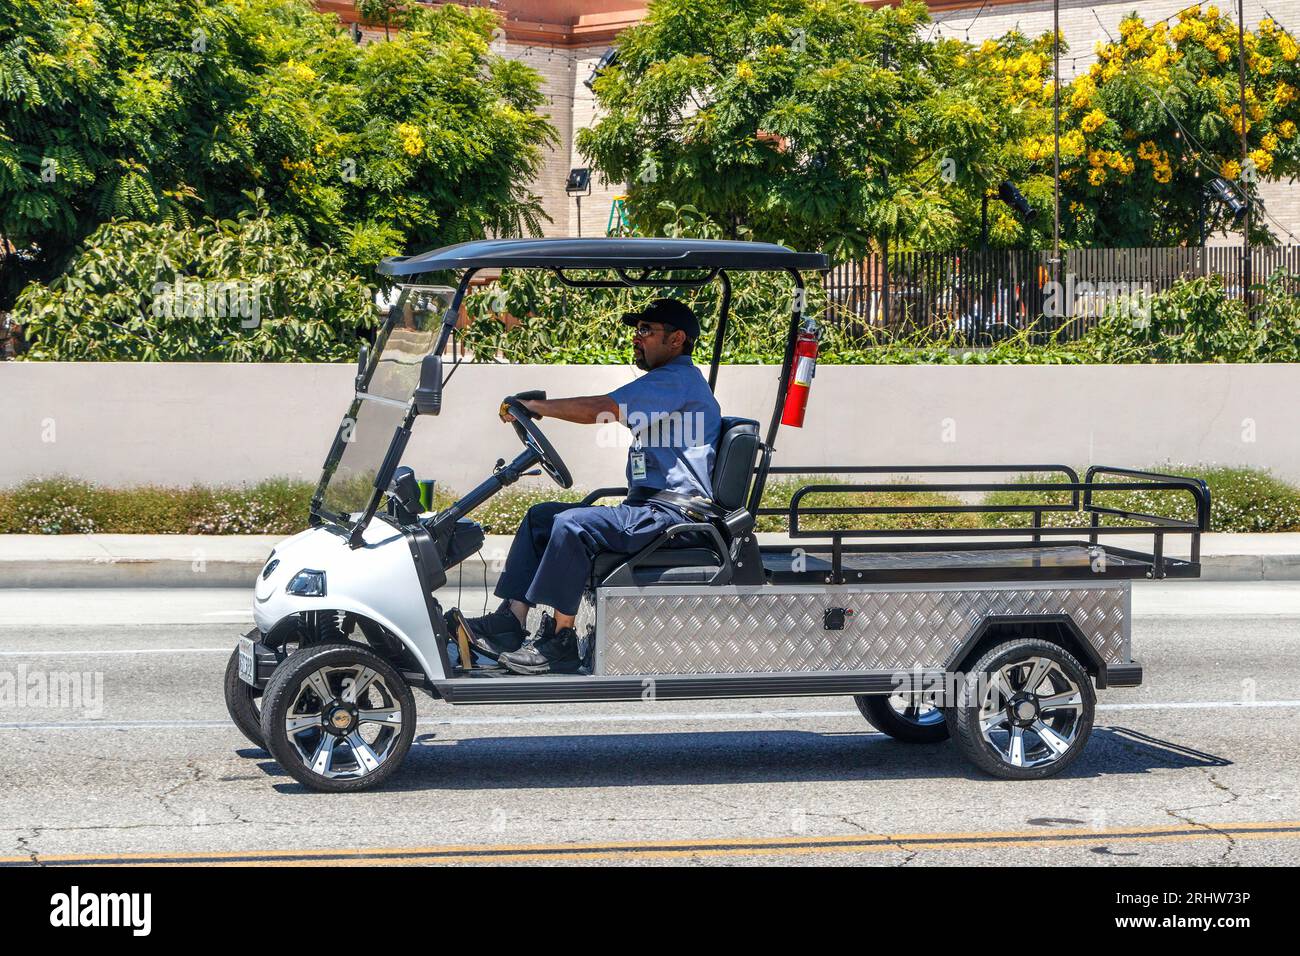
(995, 636)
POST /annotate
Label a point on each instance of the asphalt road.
(1201, 765)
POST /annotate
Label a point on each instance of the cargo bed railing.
(1080, 500)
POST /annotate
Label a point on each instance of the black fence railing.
(989, 294)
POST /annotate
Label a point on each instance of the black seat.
(733, 469)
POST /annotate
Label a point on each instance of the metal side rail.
(1069, 550)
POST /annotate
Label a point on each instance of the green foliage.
(800, 121)
(250, 290)
(1247, 500)
(779, 490)
(62, 505)
(529, 316)
(834, 126)
(1197, 321)
(1244, 500)
(165, 112)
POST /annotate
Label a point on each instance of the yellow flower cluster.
(300, 72)
(1287, 47)
(1082, 92)
(1286, 129)
(1093, 121)
(1262, 159)
(1096, 176)
(1284, 94)
(410, 138)
(1100, 159)
(744, 72)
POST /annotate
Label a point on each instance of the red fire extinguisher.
(802, 370)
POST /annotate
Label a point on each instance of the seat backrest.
(733, 468)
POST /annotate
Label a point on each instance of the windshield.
(382, 408)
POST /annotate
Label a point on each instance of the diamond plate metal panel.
(770, 629)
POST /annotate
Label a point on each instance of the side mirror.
(428, 394)
(363, 361)
(406, 490)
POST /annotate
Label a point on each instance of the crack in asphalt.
(25, 847)
(1181, 814)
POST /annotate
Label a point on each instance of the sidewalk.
(176, 560)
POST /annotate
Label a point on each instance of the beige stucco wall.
(122, 423)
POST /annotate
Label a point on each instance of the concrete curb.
(192, 561)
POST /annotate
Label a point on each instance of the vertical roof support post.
(796, 322)
(724, 312)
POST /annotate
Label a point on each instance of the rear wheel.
(911, 718)
(243, 702)
(1026, 710)
(338, 717)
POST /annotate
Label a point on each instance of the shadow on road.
(584, 761)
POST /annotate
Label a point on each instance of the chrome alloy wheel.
(344, 721)
(1031, 712)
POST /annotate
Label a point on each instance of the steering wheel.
(533, 439)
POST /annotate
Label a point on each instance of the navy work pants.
(551, 557)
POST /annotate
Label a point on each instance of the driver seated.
(675, 421)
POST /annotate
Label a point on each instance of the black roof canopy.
(602, 253)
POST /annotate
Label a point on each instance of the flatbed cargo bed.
(1052, 545)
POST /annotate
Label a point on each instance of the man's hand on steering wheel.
(515, 411)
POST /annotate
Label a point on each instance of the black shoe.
(494, 634)
(547, 652)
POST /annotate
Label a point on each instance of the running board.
(543, 690)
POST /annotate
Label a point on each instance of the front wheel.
(910, 718)
(1026, 710)
(338, 718)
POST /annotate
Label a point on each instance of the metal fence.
(986, 295)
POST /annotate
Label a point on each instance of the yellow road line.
(773, 846)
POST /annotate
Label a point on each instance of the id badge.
(637, 461)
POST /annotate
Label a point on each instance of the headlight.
(307, 583)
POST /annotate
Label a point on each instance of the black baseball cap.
(669, 312)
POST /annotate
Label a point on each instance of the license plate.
(247, 662)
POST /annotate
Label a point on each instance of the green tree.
(170, 110)
(815, 122)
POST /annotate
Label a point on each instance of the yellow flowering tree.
(1158, 116)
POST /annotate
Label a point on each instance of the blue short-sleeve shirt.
(674, 420)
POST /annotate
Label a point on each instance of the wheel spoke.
(999, 691)
(358, 684)
(320, 685)
(366, 758)
(992, 721)
(1058, 744)
(1016, 747)
(1039, 666)
(392, 718)
(1070, 700)
(324, 756)
(297, 723)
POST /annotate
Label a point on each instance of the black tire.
(1073, 722)
(881, 714)
(288, 688)
(242, 703)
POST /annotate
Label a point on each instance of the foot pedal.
(460, 630)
